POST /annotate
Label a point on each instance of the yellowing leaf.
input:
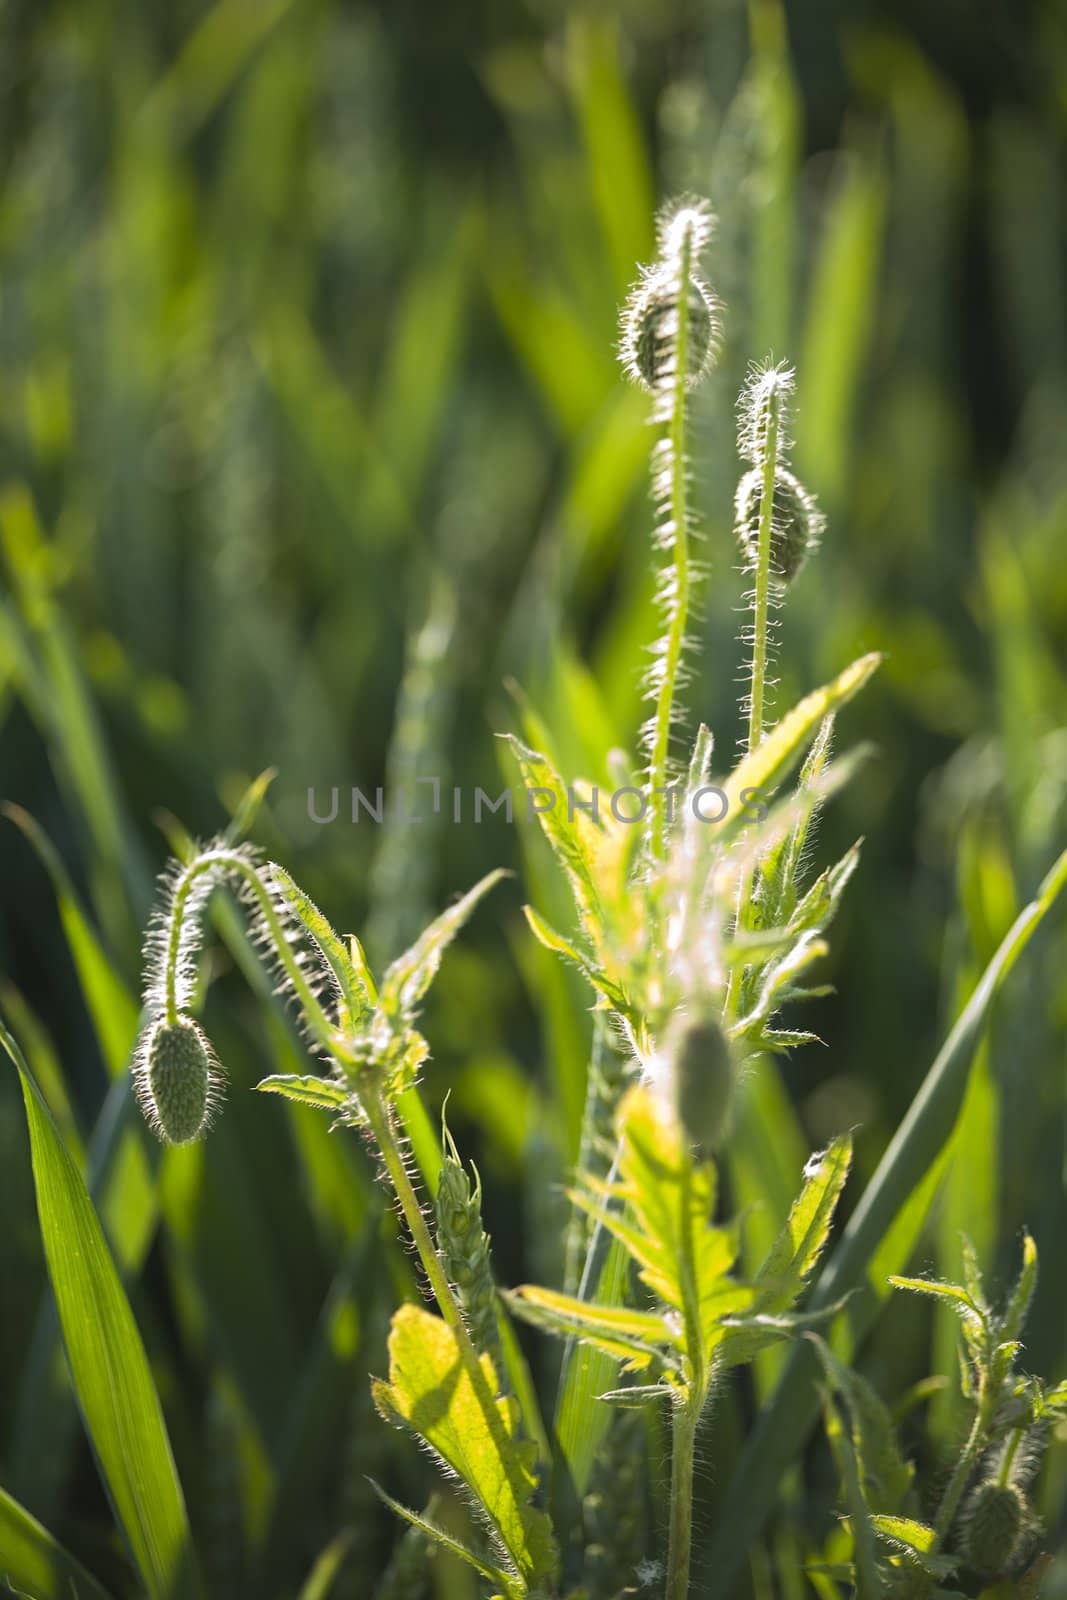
(433, 1393)
(764, 768)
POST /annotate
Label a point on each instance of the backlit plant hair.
(670, 341)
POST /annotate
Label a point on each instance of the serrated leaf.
(952, 1293)
(905, 1530)
(307, 1088)
(797, 1248)
(775, 894)
(635, 1336)
(407, 980)
(356, 998)
(765, 767)
(885, 1476)
(547, 936)
(671, 1196)
(432, 1392)
(570, 832)
(447, 1541)
(1014, 1318)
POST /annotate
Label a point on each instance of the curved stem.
(678, 512)
(233, 863)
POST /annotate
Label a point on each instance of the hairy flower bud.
(177, 1077)
(701, 1078)
(995, 1525)
(649, 325)
(796, 523)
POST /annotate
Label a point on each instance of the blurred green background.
(315, 444)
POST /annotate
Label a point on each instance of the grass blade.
(108, 1365)
(31, 1560)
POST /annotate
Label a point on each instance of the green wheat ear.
(177, 1079)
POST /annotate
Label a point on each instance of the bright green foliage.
(34, 1564)
(431, 1393)
(661, 1208)
(111, 1375)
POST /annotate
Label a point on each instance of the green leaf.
(869, 1585)
(1014, 1318)
(905, 1530)
(547, 935)
(633, 1336)
(355, 995)
(668, 1198)
(431, 1390)
(112, 1008)
(766, 766)
(885, 1476)
(246, 810)
(958, 1297)
(455, 1547)
(31, 1560)
(572, 833)
(111, 1376)
(307, 1088)
(796, 1250)
(320, 1579)
(780, 868)
(411, 974)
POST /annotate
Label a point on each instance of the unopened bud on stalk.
(796, 522)
(996, 1521)
(649, 331)
(650, 319)
(177, 1079)
(701, 1078)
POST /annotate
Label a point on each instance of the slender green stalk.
(678, 511)
(683, 1442)
(687, 1415)
(761, 602)
(961, 1476)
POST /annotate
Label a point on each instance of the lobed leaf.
(407, 980)
(307, 1088)
(431, 1391)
